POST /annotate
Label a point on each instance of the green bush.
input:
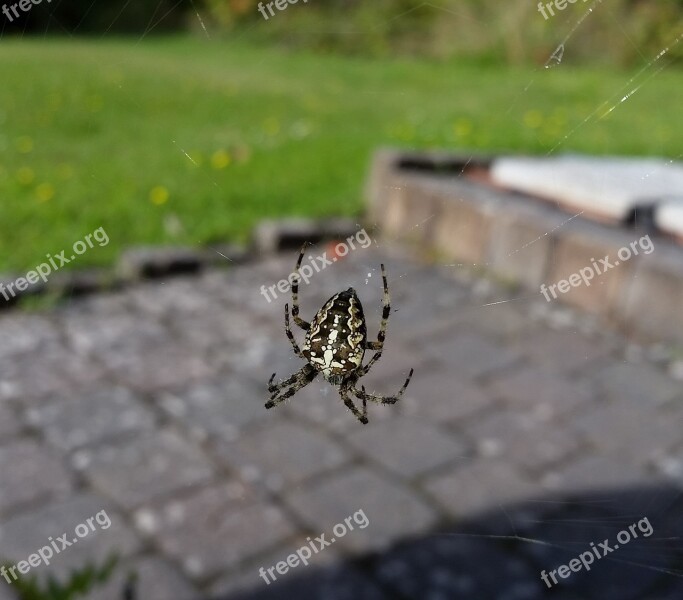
(620, 32)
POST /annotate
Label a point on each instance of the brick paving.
(517, 443)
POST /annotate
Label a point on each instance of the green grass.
(94, 133)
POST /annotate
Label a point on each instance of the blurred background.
(530, 429)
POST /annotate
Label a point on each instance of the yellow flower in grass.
(158, 195)
(25, 176)
(45, 192)
(271, 126)
(462, 127)
(220, 159)
(24, 144)
(533, 119)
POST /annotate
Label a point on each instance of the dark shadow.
(500, 554)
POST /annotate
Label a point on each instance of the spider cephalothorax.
(336, 341)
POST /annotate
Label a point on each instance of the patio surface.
(149, 403)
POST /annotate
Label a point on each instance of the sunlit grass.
(187, 141)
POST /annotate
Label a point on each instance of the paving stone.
(10, 425)
(563, 351)
(156, 580)
(6, 592)
(478, 486)
(87, 418)
(541, 390)
(212, 530)
(407, 447)
(29, 473)
(502, 321)
(22, 333)
(470, 355)
(245, 578)
(24, 535)
(177, 296)
(149, 467)
(51, 370)
(219, 406)
(333, 583)
(638, 384)
(632, 432)
(282, 454)
(522, 439)
(439, 396)
(165, 367)
(393, 511)
(593, 473)
(112, 333)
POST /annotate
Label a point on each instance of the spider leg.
(362, 416)
(274, 388)
(290, 335)
(363, 395)
(378, 346)
(297, 381)
(305, 325)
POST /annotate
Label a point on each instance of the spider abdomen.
(335, 343)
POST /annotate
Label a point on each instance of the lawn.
(188, 141)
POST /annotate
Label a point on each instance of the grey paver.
(407, 447)
(52, 369)
(150, 401)
(29, 473)
(283, 454)
(156, 579)
(86, 418)
(219, 406)
(9, 422)
(469, 354)
(478, 486)
(563, 351)
(632, 432)
(393, 511)
(595, 472)
(151, 466)
(104, 333)
(211, 530)
(246, 577)
(442, 396)
(22, 333)
(523, 439)
(638, 384)
(24, 535)
(164, 367)
(540, 389)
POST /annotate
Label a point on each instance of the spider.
(336, 341)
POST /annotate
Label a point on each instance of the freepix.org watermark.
(47, 553)
(279, 4)
(304, 554)
(319, 263)
(558, 4)
(24, 5)
(587, 274)
(43, 270)
(587, 558)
